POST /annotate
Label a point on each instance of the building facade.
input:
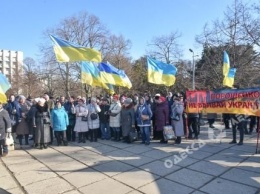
(11, 63)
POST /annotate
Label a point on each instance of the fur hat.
(93, 99)
(128, 101)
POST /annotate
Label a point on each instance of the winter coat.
(93, 109)
(127, 119)
(161, 115)
(178, 127)
(72, 117)
(146, 111)
(115, 108)
(42, 130)
(13, 111)
(80, 111)
(5, 123)
(23, 127)
(59, 119)
(103, 117)
(212, 115)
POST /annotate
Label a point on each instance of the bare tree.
(230, 34)
(83, 29)
(166, 48)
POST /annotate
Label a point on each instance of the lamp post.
(193, 70)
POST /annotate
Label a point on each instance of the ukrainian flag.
(161, 73)
(111, 75)
(90, 75)
(4, 86)
(230, 78)
(68, 52)
(226, 64)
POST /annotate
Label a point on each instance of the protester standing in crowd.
(104, 119)
(226, 119)
(161, 116)
(71, 135)
(211, 119)
(193, 122)
(81, 125)
(177, 109)
(12, 108)
(114, 117)
(59, 123)
(127, 119)
(22, 129)
(5, 128)
(143, 118)
(41, 122)
(238, 122)
(29, 118)
(93, 119)
(50, 105)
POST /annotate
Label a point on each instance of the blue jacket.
(59, 119)
(143, 110)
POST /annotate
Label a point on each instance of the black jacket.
(5, 123)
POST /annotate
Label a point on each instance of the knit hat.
(116, 96)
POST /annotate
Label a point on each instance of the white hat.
(41, 101)
(158, 94)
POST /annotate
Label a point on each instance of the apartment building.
(11, 63)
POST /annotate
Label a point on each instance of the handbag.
(133, 135)
(168, 132)
(93, 116)
(9, 141)
(46, 120)
(84, 118)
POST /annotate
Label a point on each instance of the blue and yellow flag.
(161, 73)
(226, 64)
(111, 75)
(4, 86)
(90, 75)
(68, 52)
(230, 78)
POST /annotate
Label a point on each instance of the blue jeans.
(145, 134)
(105, 130)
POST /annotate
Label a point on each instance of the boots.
(80, 137)
(118, 136)
(241, 131)
(234, 133)
(26, 137)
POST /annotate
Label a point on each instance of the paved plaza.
(201, 166)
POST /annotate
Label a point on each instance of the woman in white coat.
(93, 119)
(81, 125)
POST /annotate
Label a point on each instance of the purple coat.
(161, 115)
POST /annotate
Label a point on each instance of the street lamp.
(193, 70)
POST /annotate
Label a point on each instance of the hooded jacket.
(143, 109)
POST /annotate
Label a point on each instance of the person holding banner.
(193, 120)
(238, 122)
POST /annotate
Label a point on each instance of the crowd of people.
(112, 117)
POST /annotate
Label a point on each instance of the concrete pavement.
(202, 166)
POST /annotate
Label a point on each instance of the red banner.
(234, 101)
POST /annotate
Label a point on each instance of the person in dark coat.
(22, 129)
(127, 119)
(161, 116)
(29, 118)
(71, 134)
(5, 127)
(41, 122)
(12, 108)
(104, 119)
